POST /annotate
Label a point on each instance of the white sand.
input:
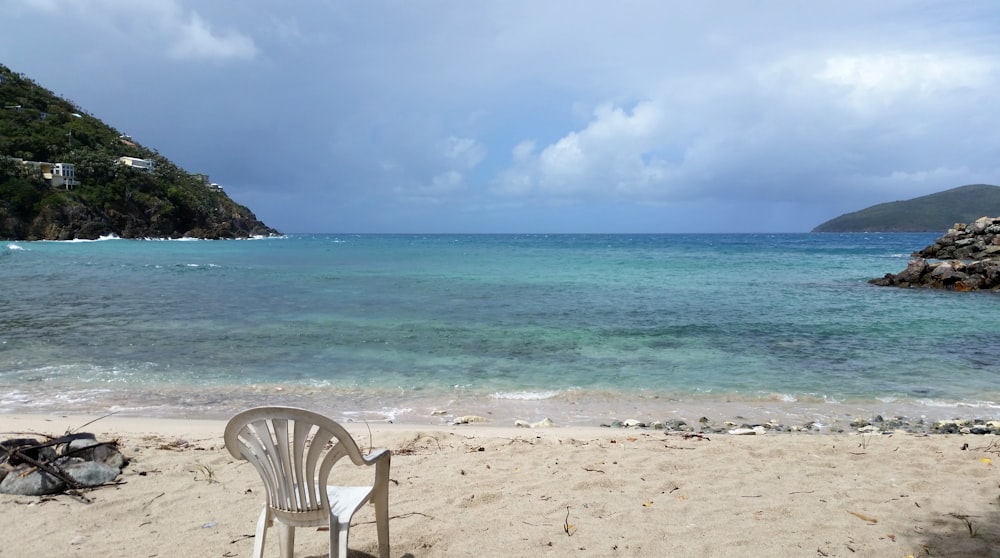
(492, 491)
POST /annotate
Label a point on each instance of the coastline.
(490, 490)
(566, 409)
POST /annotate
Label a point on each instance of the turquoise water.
(578, 327)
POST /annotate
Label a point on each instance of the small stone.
(544, 423)
(675, 424)
(743, 432)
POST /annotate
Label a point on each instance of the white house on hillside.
(64, 175)
(146, 165)
(57, 175)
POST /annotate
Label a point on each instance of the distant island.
(66, 175)
(932, 213)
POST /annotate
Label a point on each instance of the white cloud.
(613, 154)
(878, 79)
(164, 24)
(446, 182)
(434, 192)
(466, 153)
(523, 150)
(564, 161)
(792, 128)
(432, 172)
(194, 39)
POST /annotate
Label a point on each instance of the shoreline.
(726, 419)
(566, 408)
(440, 406)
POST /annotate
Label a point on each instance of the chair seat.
(345, 500)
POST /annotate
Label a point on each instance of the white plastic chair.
(294, 451)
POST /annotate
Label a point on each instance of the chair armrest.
(376, 455)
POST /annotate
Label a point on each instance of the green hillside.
(111, 198)
(931, 213)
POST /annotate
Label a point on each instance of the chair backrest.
(293, 450)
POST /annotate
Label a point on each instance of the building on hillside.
(203, 178)
(145, 165)
(64, 176)
(56, 175)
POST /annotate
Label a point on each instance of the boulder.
(25, 480)
(90, 473)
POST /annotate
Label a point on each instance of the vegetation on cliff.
(931, 213)
(112, 198)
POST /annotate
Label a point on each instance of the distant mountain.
(64, 174)
(932, 213)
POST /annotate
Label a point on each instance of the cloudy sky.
(537, 115)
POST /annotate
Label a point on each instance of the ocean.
(583, 329)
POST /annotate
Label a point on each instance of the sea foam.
(525, 395)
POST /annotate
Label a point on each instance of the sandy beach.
(472, 490)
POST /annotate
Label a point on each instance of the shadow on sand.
(953, 535)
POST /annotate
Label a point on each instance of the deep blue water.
(581, 326)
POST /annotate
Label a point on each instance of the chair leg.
(381, 503)
(338, 537)
(263, 522)
(286, 538)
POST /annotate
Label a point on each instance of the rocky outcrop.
(73, 219)
(966, 258)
